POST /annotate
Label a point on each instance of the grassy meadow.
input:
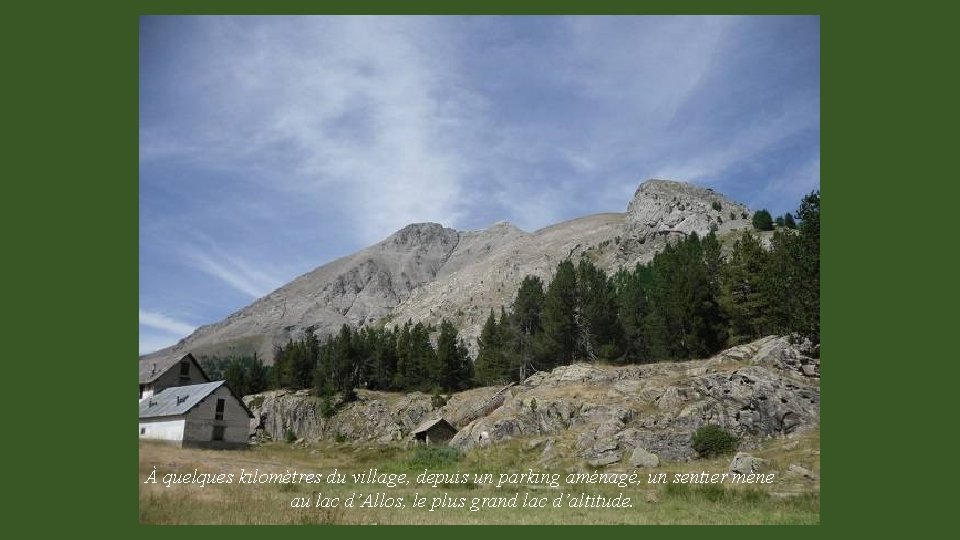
(788, 500)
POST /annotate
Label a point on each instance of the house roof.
(427, 424)
(179, 400)
(152, 367)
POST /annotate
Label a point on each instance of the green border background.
(70, 217)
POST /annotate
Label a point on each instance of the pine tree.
(808, 289)
(788, 221)
(258, 375)
(632, 308)
(455, 366)
(745, 291)
(559, 338)
(762, 220)
(528, 305)
(490, 367)
(599, 331)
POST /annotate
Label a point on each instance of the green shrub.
(340, 438)
(434, 456)
(710, 441)
(677, 491)
(327, 409)
(716, 206)
(713, 492)
(733, 216)
(289, 435)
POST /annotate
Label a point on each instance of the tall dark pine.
(599, 331)
(490, 367)
(455, 367)
(808, 318)
(559, 338)
(632, 308)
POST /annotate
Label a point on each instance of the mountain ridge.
(426, 272)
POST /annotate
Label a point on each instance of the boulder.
(799, 470)
(605, 458)
(641, 459)
(744, 463)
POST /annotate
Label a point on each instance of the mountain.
(427, 272)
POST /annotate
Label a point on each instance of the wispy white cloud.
(160, 321)
(158, 331)
(359, 113)
(231, 270)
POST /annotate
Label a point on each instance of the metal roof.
(427, 424)
(152, 367)
(177, 400)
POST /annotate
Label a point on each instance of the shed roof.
(152, 367)
(179, 400)
(427, 424)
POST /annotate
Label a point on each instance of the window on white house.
(184, 371)
(143, 430)
(220, 404)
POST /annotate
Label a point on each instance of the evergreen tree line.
(690, 301)
(377, 358)
(244, 374)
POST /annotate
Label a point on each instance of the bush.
(716, 206)
(710, 441)
(327, 409)
(733, 216)
(289, 435)
(435, 456)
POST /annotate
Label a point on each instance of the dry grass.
(788, 500)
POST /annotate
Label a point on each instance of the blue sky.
(272, 145)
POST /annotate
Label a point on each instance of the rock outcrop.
(611, 411)
(375, 416)
(664, 208)
(632, 415)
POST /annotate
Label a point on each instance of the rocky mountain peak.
(416, 234)
(664, 207)
(427, 272)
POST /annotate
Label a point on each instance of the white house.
(159, 372)
(206, 415)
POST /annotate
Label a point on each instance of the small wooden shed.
(434, 431)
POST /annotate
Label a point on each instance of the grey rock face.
(744, 463)
(665, 208)
(641, 459)
(634, 415)
(657, 407)
(375, 416)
